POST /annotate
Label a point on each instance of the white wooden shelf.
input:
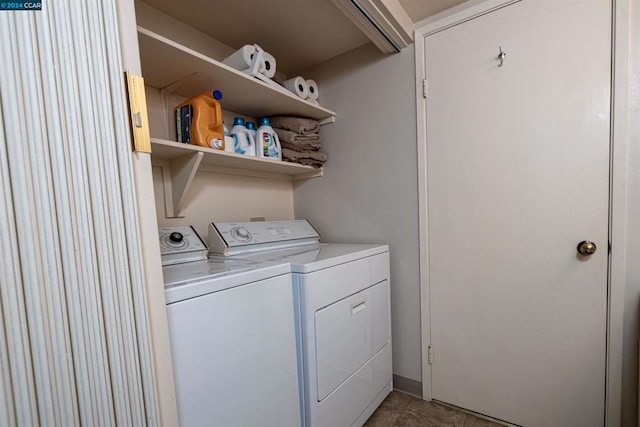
(183, 160)
(166, 63)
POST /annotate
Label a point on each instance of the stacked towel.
(311, 158)
(297, 142)
(300, 140)
(296, 124)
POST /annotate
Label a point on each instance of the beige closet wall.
(225, 198)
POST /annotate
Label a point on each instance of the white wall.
(632, 289)
(369, 191)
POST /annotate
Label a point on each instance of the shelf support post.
(177, 177)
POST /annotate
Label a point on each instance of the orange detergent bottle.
(199, 121)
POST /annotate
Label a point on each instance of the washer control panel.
(181, 244)
(229, 238)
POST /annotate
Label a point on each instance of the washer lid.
(193, 279)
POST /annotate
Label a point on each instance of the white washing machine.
(342, 309)
(233, 336)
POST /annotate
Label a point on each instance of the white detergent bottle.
(267, 142)
(251, 127)
(243, 140)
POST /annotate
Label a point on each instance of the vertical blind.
(74, 340)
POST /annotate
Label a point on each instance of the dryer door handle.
(358, 306)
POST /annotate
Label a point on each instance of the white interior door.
(518, 175)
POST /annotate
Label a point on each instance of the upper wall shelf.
(165, 62)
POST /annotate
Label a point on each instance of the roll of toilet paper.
(269, 65)
(241, 59)
(312, 86)
(313, 101)
(297, 85)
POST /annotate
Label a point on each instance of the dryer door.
(348, 334)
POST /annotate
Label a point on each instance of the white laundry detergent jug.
(251, 127)
(267, 142)
(243, 140)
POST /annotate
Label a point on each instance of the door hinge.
(424, 88)
(138, 109)
(429, 355)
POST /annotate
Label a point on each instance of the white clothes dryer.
(342, 310)
(233, 337)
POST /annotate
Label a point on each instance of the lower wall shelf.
(183, 161)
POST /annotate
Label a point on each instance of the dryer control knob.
(176, 237)
(241, 234)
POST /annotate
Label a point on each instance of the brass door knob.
(586, 248)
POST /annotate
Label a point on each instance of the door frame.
(619, 141)
(148, 228)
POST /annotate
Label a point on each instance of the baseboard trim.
(408, 386)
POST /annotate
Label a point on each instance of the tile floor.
(401, 410)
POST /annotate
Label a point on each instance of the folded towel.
(297, 142)
(295, 138)
(296, 155)
(296, 124)
(303, 147)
